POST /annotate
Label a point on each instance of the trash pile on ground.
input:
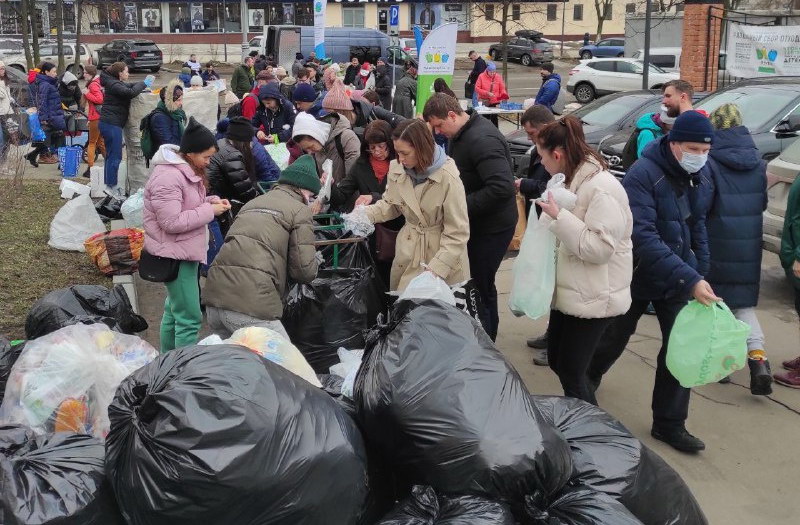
(436, 427)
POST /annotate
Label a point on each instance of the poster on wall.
(437, 58)
(763, 51)
(197, 18)
(151, 18)
(130, 18)
(320, 6)
(456, 14)
(257, 17)
(427, 16)
(288, 14)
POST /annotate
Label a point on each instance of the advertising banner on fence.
(319, 27)
(437, 58)
(763, 51)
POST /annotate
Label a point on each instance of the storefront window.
(69, 18)
(8, 20)
(149, 17)
(353, 16)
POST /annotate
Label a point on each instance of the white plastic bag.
(75, 222)
(65, 380)
(534, 271)
(71, 188)
(347, 368)
(96, 182)
(133, 210)
(271, 345)
(358, 222)
(428, 286)
(279, 153)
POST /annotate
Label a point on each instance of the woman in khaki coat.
(595, 260)
(424, 187)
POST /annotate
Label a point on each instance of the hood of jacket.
(107, 80)
(170, 89)
(168, 155)
(68, 78)
(439, 158)
(734, 148)
(271, 90)
(646, 122)
(44, 78)
(289, 81)
(338, 124)
(553, 76)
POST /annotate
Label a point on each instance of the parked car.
(608, 47)
(593, 78)
(601, 119)
(669, 59)
(138, 54)
(526, 46)
(770, 109)
(781, 173)
(48, 52)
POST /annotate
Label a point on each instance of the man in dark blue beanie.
(670, 191)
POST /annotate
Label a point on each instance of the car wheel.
(493, 53)
(526, 60)
(586, 55)
(155, 69)
(584, 92)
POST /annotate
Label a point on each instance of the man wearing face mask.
(670, 190)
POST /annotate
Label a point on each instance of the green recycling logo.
(767, 59)
(318, 7)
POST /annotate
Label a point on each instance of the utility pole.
(563, 22)
(646, 64)
(245, 24)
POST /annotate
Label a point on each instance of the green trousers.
(182, 318)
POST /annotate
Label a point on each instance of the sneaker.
(793, 364)
(539, 343)
(760, 377)
(790, 378)
(32, 159)
(540, 357)
(48, 159)
(679, 439)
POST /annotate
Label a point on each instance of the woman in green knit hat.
(271, 240)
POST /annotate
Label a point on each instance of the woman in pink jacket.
(93, 93)
(491, 88)
(176, 216)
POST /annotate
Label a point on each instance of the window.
(679, 8)
(626, 67)
(488, 11)
(552, 12)
(667, 61)
(608, 13)
(353, 16)
(604, 43)
(577, 12)
(516, 12)
(618, 43)
(69, 18)
(149, 17)
(607, 65)
(630, 8)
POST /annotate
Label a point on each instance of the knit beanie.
(196, 138)
(265, 75)
(302, 173)
(280, 72)
(337, 99)
(196, 81)
(491, 66)
(304, 93)
(726, 116)
(306, 124)
(691, 126)
(68, 78)
(186, 71)
(240, 129)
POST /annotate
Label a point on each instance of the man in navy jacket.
(670, 190)
(551, 86)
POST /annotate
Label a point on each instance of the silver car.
(781, 173)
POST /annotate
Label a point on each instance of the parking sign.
(394, 15)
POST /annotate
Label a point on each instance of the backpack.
(236, 109)
(149, 147)
(629, 152)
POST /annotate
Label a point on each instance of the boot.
(678, 438)
(48, 158)
(32, 158)
(540, 357)
(760, 377)
(539, 343)
(792, 364)
(790, 378)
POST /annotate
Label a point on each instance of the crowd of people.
(684, 223)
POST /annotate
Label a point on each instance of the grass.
(29, 268)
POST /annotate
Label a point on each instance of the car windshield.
(607, 111)
(759, 105)
(639, 65)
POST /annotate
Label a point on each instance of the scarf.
(379, 167)
(178, 115)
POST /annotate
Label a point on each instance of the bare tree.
(78, 6)
(601, 7)
(21, 9)
(510, 17)
(60, 33)
(34, 31)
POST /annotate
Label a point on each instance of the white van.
(669, 59)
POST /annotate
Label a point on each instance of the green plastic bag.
(706, 344)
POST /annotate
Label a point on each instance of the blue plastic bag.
(37, 133)
(69, 160)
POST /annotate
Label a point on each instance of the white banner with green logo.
(437, 58)
(763, 51)
(320, 6)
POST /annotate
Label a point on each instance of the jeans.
(182, 318)
(112, 136)
(571, 343)
(94, 143)
(224, 322)
(485, 255)
(670, 403)
(755, 341)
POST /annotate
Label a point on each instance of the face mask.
(693, 162)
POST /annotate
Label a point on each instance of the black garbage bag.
(56, 479)
(218, 435)
(608, 458)
(8, 356)
(336, 309)
(578, 505)
(444, 408)
(110, 208)
(424, 507)
(85, 304)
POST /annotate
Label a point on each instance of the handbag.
(385, 240)
(158, 269)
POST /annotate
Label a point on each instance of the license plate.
(148, 54)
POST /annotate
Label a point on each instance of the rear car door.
(618, 46)
(628, 77)
(602, 49)
(48, 53)
(602, 75)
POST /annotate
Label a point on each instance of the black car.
(601, 118)
(138, 54)
(766, 105)
(526, 46)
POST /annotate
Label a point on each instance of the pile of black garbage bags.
(440, 430)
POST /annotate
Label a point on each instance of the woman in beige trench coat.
(424, 186)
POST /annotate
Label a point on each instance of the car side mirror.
(789, 127)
